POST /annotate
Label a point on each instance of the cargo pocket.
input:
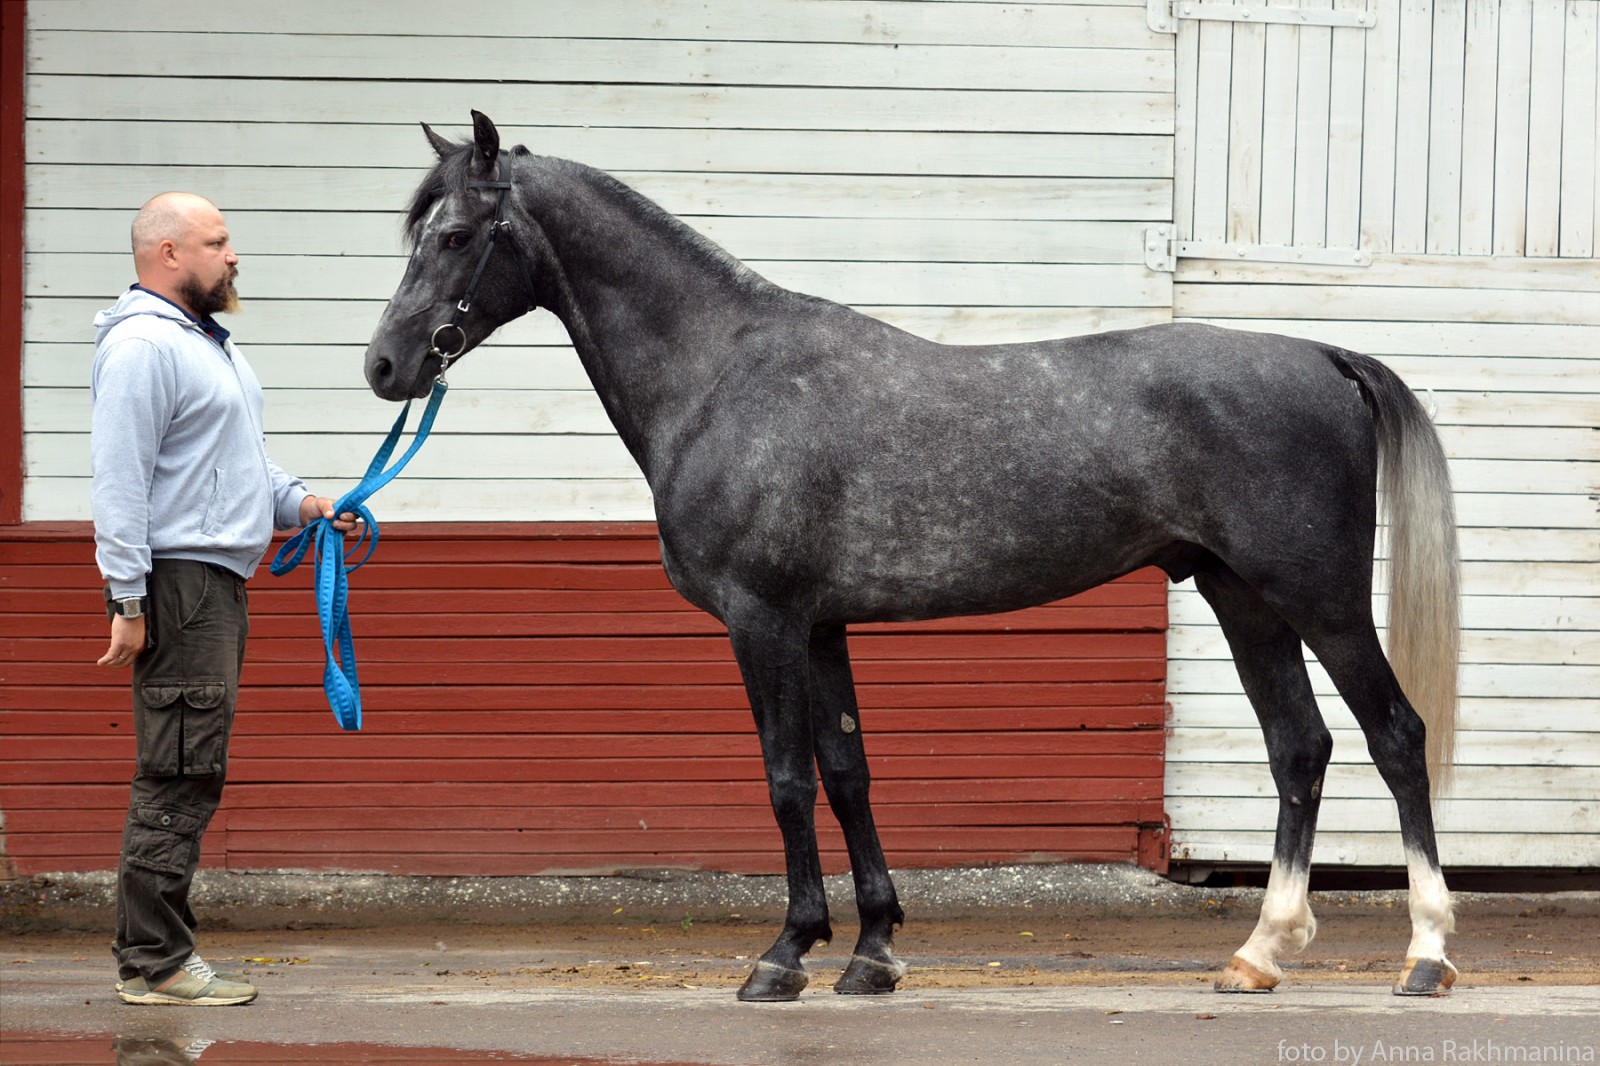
(162, 839)
(185, 728)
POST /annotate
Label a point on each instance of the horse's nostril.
(383, 369)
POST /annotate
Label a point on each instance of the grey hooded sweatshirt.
(179, 454)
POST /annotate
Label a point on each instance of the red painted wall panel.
(538, 699)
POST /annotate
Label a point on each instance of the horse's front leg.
(842, 758)
(771, 651)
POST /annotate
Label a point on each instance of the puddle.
(55, 1049)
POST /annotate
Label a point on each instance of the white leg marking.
(1432, 917)
(1286, 923)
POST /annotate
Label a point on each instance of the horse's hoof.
(771, 983)
(1425, 977)
(1241, 976)
(870, 977)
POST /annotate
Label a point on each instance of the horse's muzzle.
(386, 381)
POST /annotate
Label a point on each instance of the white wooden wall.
(972, 170)
(1455, 143)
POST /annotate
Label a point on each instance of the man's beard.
(206, 302)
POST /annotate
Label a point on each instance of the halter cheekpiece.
(496, 227)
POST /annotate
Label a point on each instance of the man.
(185, 503)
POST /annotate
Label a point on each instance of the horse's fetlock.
(803, 932)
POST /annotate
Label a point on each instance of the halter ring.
(446, 358)
(433, 341)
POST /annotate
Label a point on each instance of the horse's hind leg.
(772, 654)
(1267, 653)
(1396, 738)
(842, 759)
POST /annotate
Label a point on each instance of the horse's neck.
(652, 308)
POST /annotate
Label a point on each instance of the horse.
(813, 468)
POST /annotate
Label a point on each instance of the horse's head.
(467, 275)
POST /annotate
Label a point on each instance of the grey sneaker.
(194, 985)
(202, 969)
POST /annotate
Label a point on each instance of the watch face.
(129, 608)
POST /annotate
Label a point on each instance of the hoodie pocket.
(214, 508)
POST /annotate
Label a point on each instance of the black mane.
(452, 173)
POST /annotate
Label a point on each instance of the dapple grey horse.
(813, 467)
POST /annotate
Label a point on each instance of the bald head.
(168, 217)
(182, 251)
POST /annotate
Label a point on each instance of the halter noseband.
(500, 224)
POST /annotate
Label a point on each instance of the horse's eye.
(457, 240)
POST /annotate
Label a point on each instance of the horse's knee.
(793, 795)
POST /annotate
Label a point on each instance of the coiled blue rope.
(339, 676)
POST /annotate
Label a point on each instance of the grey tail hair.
(1424, 561)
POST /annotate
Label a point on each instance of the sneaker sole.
(161, 999)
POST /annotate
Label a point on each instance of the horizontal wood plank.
(898, 21)
(1576, 850)
(823, 152)
(936, 284)
(560, 59)
(891, 195)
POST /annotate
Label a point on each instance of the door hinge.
(1163, 15)
(1162, 252)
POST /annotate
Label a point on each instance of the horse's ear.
(442, 146)
(487, 138)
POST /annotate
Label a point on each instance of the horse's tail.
(1424, 563)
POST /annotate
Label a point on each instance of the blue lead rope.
(339, 678)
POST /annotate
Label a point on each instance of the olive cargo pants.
(185, 685)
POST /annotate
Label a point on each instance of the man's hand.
(127, 642)
(315, 507)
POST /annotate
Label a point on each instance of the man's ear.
(486, 144)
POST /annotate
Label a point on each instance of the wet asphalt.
(376, 1008)
(365, 1001)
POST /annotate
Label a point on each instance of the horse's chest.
(697, 584)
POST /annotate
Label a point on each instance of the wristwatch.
(129, 608)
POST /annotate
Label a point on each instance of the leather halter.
(499, 225)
